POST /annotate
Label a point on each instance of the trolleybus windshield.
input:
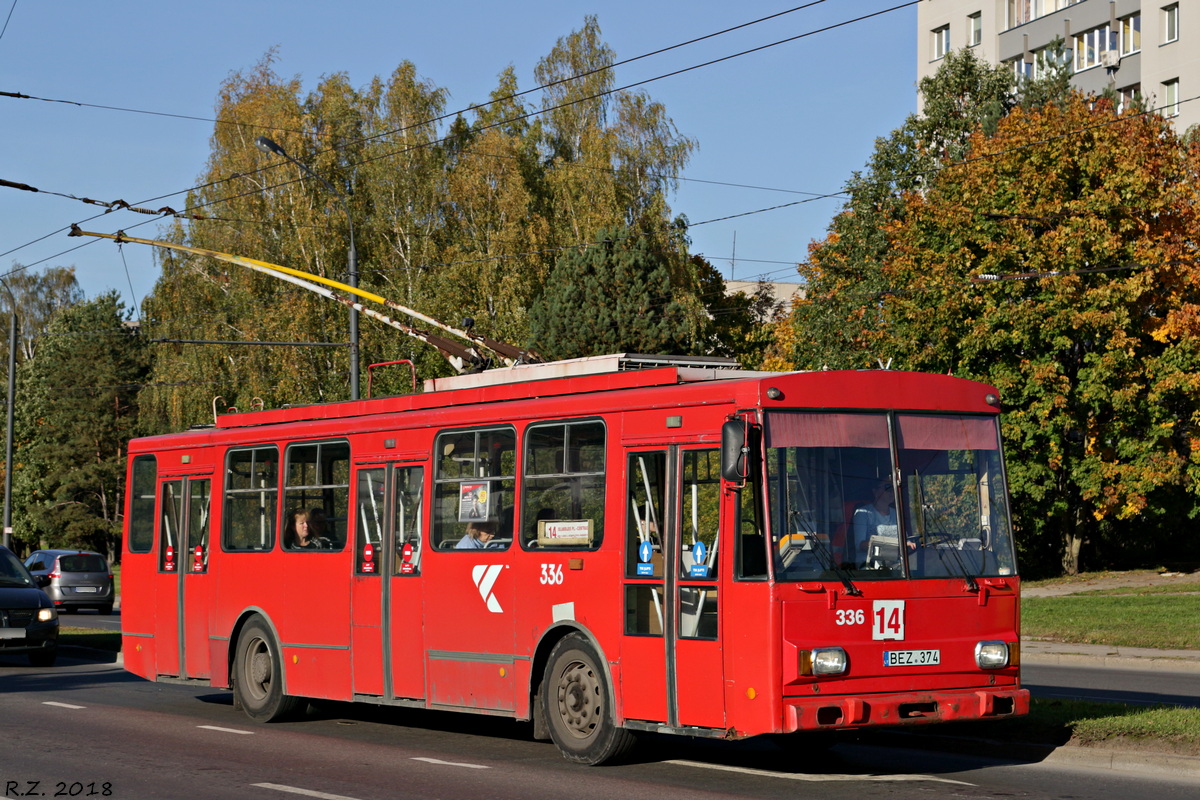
(886, 496)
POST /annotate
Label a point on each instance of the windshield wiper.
(956, 557)
(824, 554)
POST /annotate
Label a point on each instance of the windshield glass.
(879, 496)
(12, 572)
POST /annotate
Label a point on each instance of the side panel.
(469, 629)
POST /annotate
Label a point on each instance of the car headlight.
(47, 614)
(823, 661)
(991, 655)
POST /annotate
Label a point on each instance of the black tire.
(44, 658)
(105, 609)
(577, 705)
(258, 676)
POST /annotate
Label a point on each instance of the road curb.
(1158, 764)
(1111, 662)
(1067, 755)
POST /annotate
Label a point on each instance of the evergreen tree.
(76, 412)
(614, 296)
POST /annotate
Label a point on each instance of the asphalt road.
(1112, 686)
(92, 730)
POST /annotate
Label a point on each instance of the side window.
(141, 504)
(474, 489)
(647, 515)
(251, 491)
(199, 504)
(563, 492)
(750, 548)
(406, 514)
(701, 506)
(171, 527)
(370, 519)
(408, 489)
(316, 496)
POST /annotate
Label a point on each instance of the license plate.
(12, 633)
(87, 589)
(911, 658)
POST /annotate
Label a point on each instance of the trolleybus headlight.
(47, 614)
(823, 661)
(991, 655)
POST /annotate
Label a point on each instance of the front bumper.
(911, 708)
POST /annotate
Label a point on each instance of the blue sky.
(791, 119)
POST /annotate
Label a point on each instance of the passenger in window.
(479, 536)
(302, 534)
(875, 519)
(319, 527)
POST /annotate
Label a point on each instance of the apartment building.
(1138, 48)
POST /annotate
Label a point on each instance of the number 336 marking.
(551, 573)
(850, 616)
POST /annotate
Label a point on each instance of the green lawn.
(1159, 619)
(1057, 722)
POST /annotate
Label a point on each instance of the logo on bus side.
(485, 576)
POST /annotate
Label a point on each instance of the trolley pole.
(269, 146)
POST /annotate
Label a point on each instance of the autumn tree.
(76, 412)
(1057, 261)
(838, 321)
(455, 215)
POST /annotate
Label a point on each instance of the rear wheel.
(105, 609)
(577, 706)
(258, 675)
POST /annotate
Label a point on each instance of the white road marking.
(451, 763)
(225, 730)
(794, 776)
(306, 792)
(62, 705)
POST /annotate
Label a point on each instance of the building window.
(1128, 98)
(1171, 98)
(1090, 47)
(1021, 68)
(975, 29)
(1131, 34)
(1022, 11)
(941, 42)
(1171, 23)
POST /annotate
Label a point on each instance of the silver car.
(76, 578)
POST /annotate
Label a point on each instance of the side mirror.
(42, 581)
(735, 466)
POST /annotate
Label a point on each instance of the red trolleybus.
(602, 546)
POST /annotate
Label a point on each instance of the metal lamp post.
(8, 429)
(268, 146)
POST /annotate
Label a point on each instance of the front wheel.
(577, 706)
(258, 675)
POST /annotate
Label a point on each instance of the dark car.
(28, 620)
(77, 578)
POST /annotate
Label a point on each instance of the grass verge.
(1053, 722)
(1166, 621)
(90, 637)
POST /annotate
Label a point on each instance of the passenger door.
(387, 635)
(672, 669)
(182, 647)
